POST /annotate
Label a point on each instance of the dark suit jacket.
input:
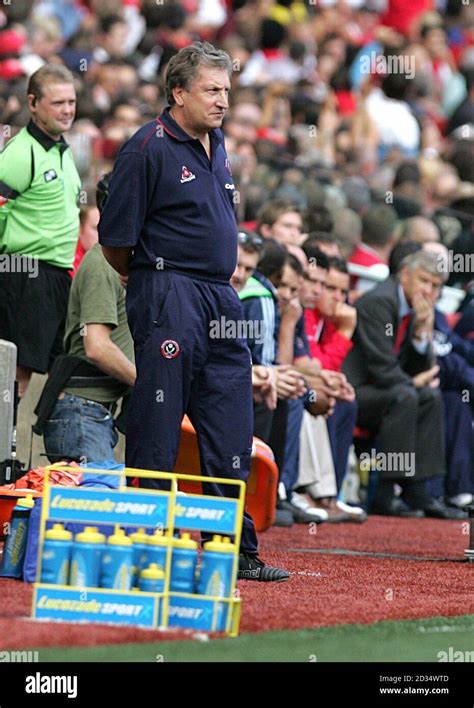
(373, 360)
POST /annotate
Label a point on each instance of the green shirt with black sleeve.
(39, 198)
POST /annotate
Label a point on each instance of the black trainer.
(251, 567)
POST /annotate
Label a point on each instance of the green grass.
(402, 641)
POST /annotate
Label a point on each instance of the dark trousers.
(186, 364)
(277, 439)
(289, 469)
(406, 421)
(459, 449)
(263, 418)
(33, 312)
(340, 428)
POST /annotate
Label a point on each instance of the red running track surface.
(328, 585)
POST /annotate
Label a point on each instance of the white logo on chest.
(186, 175)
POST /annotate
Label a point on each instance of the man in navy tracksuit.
(169, 224)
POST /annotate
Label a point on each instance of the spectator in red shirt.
(403, 15)
(378, 238)
(329, 328)
(331, 324)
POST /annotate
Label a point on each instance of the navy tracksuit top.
(171, 204)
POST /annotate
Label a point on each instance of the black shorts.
(33, 306)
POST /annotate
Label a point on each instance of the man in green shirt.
(39, 224)
(81, 426)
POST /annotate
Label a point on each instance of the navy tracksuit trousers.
(190, 361)
(459, 436)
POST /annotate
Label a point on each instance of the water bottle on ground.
(157, 546)
(86, 558)
(183, 564)
(139, 556)
(152, 579)
(116, 570)
(15, 546)
(56, 556)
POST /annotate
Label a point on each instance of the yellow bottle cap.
(220, 545)
(157, 539)
(26, 502)
(228, 542)
(58, 533)
(90, 535)
(119, 538)
(153, 572)
(185, 542)
(139, 536)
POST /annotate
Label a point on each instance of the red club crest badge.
(170, 349)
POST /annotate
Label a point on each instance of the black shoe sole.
(260, 580)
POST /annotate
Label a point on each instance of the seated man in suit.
(455, 357)
(394, 372)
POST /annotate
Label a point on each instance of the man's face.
(115, 41)
(43, 45)
(88, 234)
(246, 264)
(54, 112)
(336, 290)
(312, 287)
(435, 43)
(420, 282)
(288, 229)
(289, 286)
(204, 104)
(128, 116)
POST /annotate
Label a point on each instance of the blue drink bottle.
(183, 564)
(139, 555)
(116, 572)
(152, 579)
(56, 555)
(157, 547)
(15, 545)
(215, 578)
(86, 557)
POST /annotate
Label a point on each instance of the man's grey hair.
(184, 66)
(347, 230)
(424, 260)
(420, 229)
